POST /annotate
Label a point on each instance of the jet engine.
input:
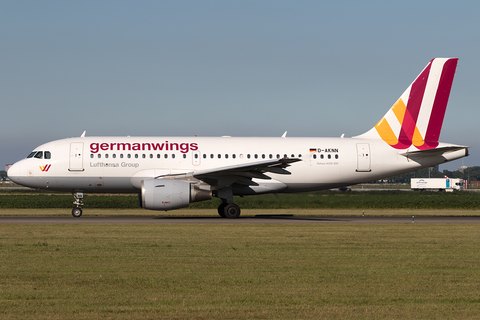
(166, 194)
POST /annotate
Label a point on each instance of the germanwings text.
(146, 146)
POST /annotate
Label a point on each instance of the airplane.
(171, 172)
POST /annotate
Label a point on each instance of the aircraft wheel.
(231, 211)
(76, 212)
(221, 209)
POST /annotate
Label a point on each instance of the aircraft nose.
(15, 172)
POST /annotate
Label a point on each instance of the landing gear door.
(76, 156)
(363, 157)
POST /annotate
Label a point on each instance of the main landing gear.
(77, 211)
(227, 209)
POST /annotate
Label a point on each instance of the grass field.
(239, 271)
(361, 200)
(109, 271)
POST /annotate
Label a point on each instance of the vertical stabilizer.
(417, 116)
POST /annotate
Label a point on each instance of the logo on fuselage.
(45, 168)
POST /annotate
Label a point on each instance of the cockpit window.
(39, 155)
(47, 155)
(31, 154)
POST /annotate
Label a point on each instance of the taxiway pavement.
(242, 220)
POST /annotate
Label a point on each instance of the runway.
(242, 220)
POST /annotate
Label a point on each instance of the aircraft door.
(76, 156)
(363, 157)
(196, 158)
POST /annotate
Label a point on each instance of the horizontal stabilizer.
(435, 152)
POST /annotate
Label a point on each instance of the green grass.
(314, 200)
(409, 271)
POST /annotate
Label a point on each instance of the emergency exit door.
(76, 156)
(363, 157)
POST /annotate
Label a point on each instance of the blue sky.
(239, 68)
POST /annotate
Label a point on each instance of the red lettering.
(173, 145)
(157, 146)
(182, 147)
(93, 147)
(123, 145)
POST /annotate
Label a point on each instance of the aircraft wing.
(243, 173)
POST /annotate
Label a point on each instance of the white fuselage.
(119, 164)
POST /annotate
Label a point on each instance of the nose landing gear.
(77, 211)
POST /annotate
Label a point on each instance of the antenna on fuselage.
(83, 134)
(284, 135)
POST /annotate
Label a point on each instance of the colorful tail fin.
(417, 116)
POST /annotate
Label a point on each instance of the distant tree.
(3, 175)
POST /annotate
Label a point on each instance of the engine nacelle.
(165, 194)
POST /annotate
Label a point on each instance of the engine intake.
(165, 194)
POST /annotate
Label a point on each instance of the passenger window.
(91, 155)
(219, 156)
(336, 156)
(233, 156)
(165, 156)
(321, 156)
(99, 156)
(329, 156)
(263, 156)
(39, 155)
(47, 155)
(184, 156)
(196, 156)
(173, 156)
(143, 156)
(226, 156)
(136, 155)
(248, 156)
(114, 155)
(211, 155)
(204, 156)
(129, 156)
(256, 156)
(158, 156)
(314, 156)
(151, 156)
(121, 155)
(106, 156)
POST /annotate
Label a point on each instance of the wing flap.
(243, 173)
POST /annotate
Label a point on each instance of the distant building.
(473, 184)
